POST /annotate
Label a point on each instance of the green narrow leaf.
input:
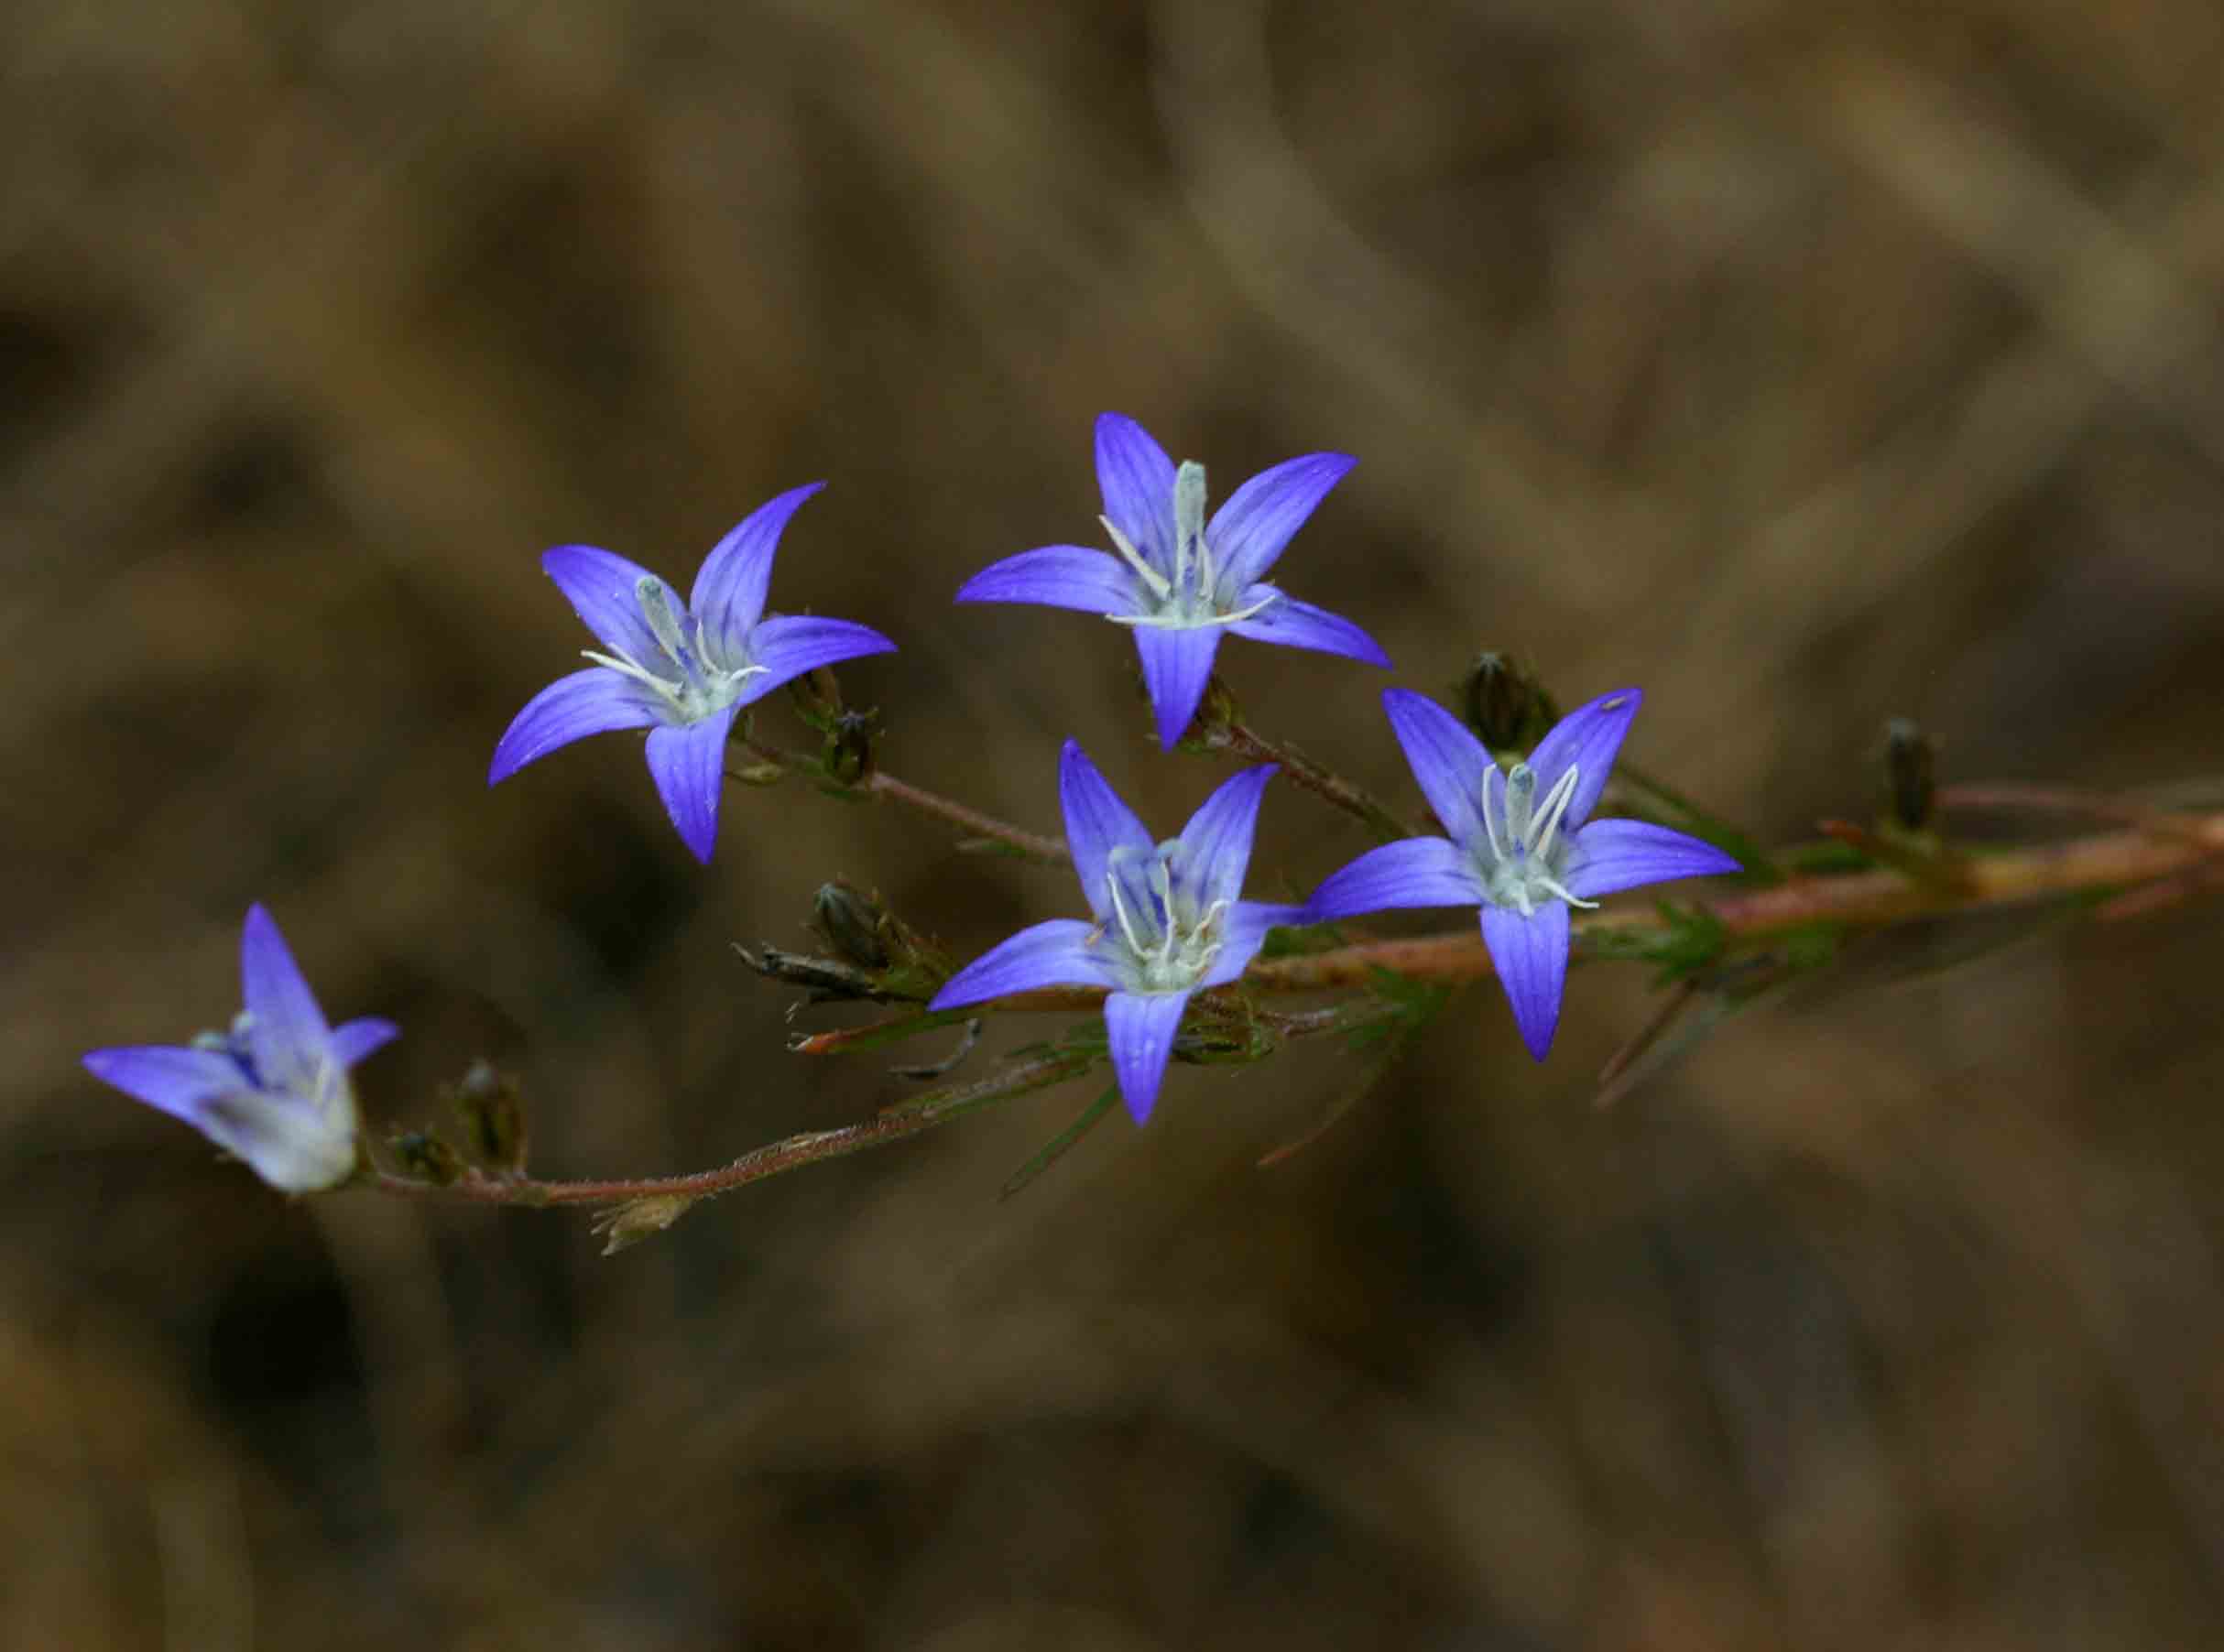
(1057, 1146)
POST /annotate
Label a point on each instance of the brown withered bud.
(1910, 774)
(829, 980)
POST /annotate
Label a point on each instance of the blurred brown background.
(1803, 365)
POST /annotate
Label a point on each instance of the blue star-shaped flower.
(1167, 922)
(1523, 845)
(274, 1090)
(1179, 580)
(683, 673)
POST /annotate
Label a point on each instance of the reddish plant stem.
(2191, 844)
(1861, 900)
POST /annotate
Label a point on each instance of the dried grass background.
(1805, 365)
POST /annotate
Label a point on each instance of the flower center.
(688, 675)
(1169, 945)
(1190, 597)
(237, 1042)
(1523, 850)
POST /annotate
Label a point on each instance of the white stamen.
(1189, 526)
(619, 661)
(656, 610)
(1183, 621)
(1120, 910)
(1195, 623)
(1555, 805)
(1520, 803)
(1165, 881)
(1490, 825)
(1157, 582)
(1554, 888)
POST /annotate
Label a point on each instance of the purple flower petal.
(1588, 737)
(1057, 576)
(353, 1040)
(1137, 479)
(1447, 760)
(1531, 956)
(286, 1030)
(603, 591)
(1097, 823)
(729, 594)
(1142, 1027)
(1417, 871)
(593, 702)
(1247, 924)
(793, 644)
(171, 1076)
(1056, 953)
(1175, 665)
(1249, 532)
(1296, 624)
(1215, 848)
(686, 760)
(1613, 855)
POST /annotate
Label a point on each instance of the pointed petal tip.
(1055, 952)
(365, 1036)
(688, 764)
(1140, 1028)
(1531, 956)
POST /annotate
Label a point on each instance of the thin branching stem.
(1233, 735)
(969, 821)
(2176, 847)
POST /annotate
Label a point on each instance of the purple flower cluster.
(1167, 917)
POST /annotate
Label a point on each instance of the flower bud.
(427, 1158)
(850, 921)
(817, 698)
(850, 746)
(1504, 702)
(623, 1225)
(1217, 707)
(1910, 779)
(493, 1115)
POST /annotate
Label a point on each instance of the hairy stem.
(808, 1147)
